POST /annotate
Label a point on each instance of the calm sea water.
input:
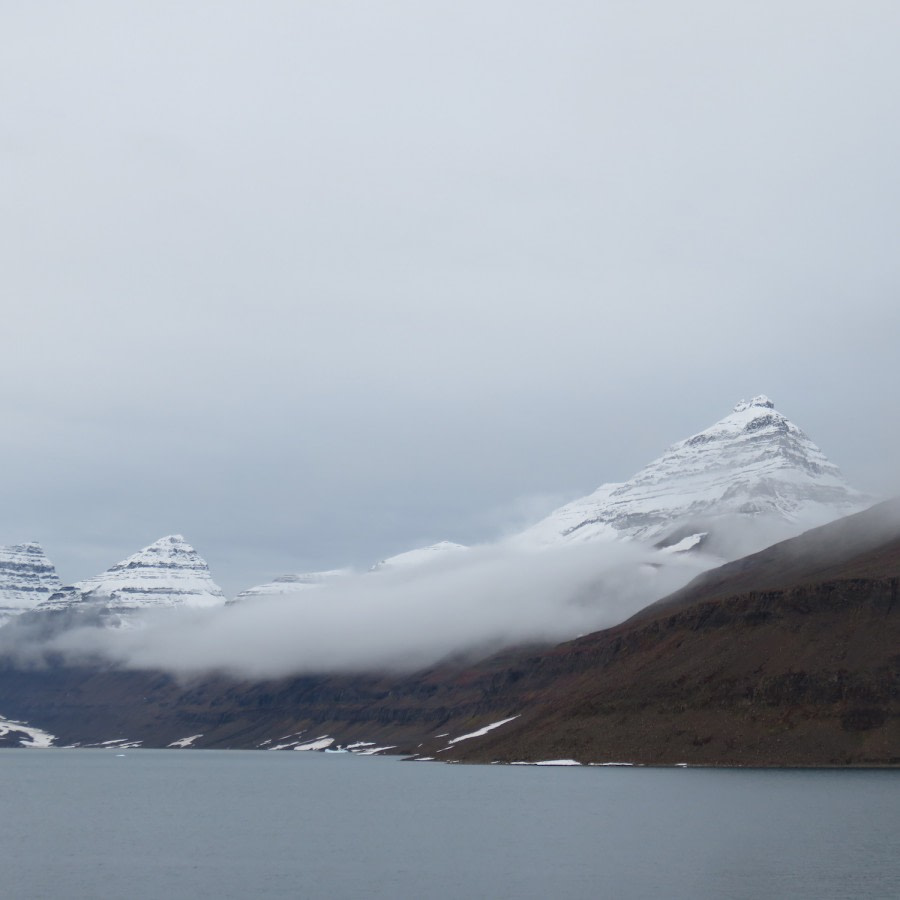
(204, 824)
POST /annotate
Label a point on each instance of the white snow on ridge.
(481, 731)
(419, 556)
(27, 578)
(753, 463)
(35, 738)
(168, 573)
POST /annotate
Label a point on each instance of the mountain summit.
(26, 578)
(751, 478)
(168, 573)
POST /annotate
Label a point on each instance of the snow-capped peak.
(169, 572)
(27, 577)
(761, 401)
(754, 464)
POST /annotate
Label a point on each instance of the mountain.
(749, 479)
(790, 656)
(786, 658)
(291, 584)
(168, 573)
(27, 578)
(420, 556)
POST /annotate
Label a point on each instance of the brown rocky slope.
(787, 657)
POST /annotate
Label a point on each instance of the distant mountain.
(27, 578)
(420, 556)
(168, 573)
(750, 479)
(292, 584)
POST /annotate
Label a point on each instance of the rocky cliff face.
(27, 578)
(753, 466)
(168, 573)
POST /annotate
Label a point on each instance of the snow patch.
(34, 739)
(685, 544)
(116, 744)
(373, 750)
(185, 742)
(318, 744)
(481, 731)
(549, 762)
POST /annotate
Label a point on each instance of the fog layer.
(474, 603)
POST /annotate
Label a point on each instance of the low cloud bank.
(477, 601)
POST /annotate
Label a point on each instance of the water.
(204, 824)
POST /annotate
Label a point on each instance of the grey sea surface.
(223, 824)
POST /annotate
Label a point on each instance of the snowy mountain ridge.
(752, 464)
(753, 469)
(167, 573)
(27, 578)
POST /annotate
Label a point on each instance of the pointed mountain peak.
(173, 547)
(753, 466)
(761, 401)
(170, 541)
(168, 572)
(27, 578)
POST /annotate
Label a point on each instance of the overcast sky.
(317, 282)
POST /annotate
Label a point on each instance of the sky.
(315, 283)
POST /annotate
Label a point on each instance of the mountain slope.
(787, 657)
(754, 474)
(863, 545)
